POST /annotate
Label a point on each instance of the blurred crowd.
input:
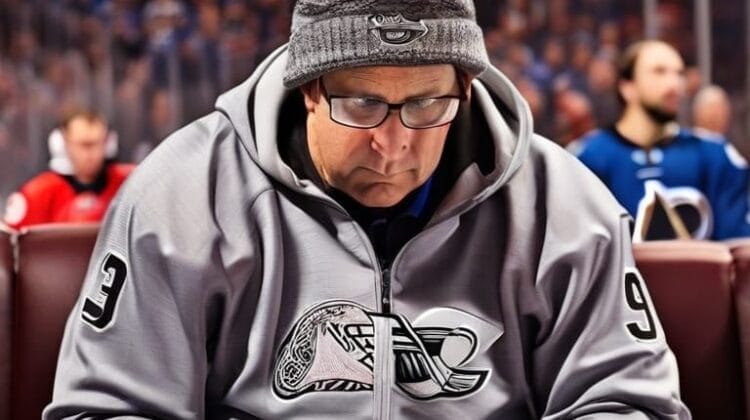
(151, 66)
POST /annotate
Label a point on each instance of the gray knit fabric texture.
(329, 35)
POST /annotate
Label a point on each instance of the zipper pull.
(386, 300)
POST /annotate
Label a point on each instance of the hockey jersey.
(51, 197)
(704, 179)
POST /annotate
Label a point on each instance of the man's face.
(85, 144)
(378, 166)
(659, 81)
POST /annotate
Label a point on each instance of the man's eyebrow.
(358, 93)
(428, 92)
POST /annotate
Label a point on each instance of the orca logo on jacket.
(332, 348)
(99, 310)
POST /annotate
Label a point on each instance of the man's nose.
(391, 139)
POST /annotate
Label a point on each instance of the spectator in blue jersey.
(646, 156)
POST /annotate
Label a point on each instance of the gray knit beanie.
(329, 35)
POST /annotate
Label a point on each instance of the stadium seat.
(741, 254)
(52, 261)
(6, 290)
(691, 285)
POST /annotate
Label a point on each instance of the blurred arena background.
(151, 66)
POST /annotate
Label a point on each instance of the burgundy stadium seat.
(6, 290)
(52, 265)
(741, 253)
(691, 284)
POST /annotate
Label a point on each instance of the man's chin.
(380, 195)
(660, 114)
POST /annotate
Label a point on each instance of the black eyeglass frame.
(392, 106)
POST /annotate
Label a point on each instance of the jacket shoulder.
(569, 184)
(714, 147)
(595, 139)
(120, 170)
(198, 171)
(43, 183)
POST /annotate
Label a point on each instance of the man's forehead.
(85, 121)
(657, 55)
(81, 127)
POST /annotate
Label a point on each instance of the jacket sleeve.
(728, 193)
(31, 204)
(603, 352)
(135, 343)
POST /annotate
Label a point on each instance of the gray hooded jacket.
(223, 285)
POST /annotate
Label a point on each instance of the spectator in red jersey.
(81, 196)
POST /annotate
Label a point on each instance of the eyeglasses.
(364, 112)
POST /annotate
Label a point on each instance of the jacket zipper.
(386, 290)
(383, 371)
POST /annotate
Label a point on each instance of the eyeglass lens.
(363, 112)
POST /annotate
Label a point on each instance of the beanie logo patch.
(395, 30)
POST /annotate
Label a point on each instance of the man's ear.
(626, 88)
(311, 92)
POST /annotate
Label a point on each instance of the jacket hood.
(254, 108)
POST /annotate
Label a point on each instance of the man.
(84, 194)
(712, 112)
(365, 230)
(646, 156)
